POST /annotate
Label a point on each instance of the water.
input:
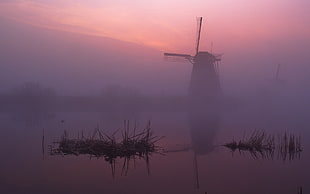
(203, 166)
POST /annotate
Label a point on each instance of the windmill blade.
(199, 19)
(177, 55)
(174, 57)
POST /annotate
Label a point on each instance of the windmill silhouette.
(204, 94)
(204, 84)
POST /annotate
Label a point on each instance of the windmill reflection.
(131, 146)
(204, 96)
(203, 128)
(204, 124)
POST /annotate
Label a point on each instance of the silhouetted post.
(278, 72)
(43, 144)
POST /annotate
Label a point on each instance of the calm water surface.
(197, 159)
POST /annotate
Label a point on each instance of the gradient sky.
(254, 36)
(168, 25)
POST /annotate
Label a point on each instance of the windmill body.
(204, 88)
(204, 84)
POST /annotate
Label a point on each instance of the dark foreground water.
(194, 162)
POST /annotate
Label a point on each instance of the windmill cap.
(205, 55)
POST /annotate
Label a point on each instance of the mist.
(77, 64)
(74, 64)
(79, 81)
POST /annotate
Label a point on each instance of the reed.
(99, 145)
(261, 145)
(289, 146)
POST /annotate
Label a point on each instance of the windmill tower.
(204, 85)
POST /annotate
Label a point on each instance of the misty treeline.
(29, 97)
(36, 89)
(33, 89)
(35, 97)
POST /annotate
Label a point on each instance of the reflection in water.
(263, 146)
(133, 145)
(204, 124)
(214, 169)
(203, 128)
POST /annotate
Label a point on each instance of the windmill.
(204, 84)
(204, 93)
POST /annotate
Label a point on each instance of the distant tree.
(34, 97)
(34, 89)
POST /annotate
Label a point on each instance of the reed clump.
(261, 145)
(130, 145)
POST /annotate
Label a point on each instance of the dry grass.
(131, 145)
(261, 145)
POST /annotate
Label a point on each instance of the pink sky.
(170, 25)
(254, 36)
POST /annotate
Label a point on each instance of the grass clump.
(261, 145)
(130, 146)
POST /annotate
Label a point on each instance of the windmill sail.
(204, 84)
